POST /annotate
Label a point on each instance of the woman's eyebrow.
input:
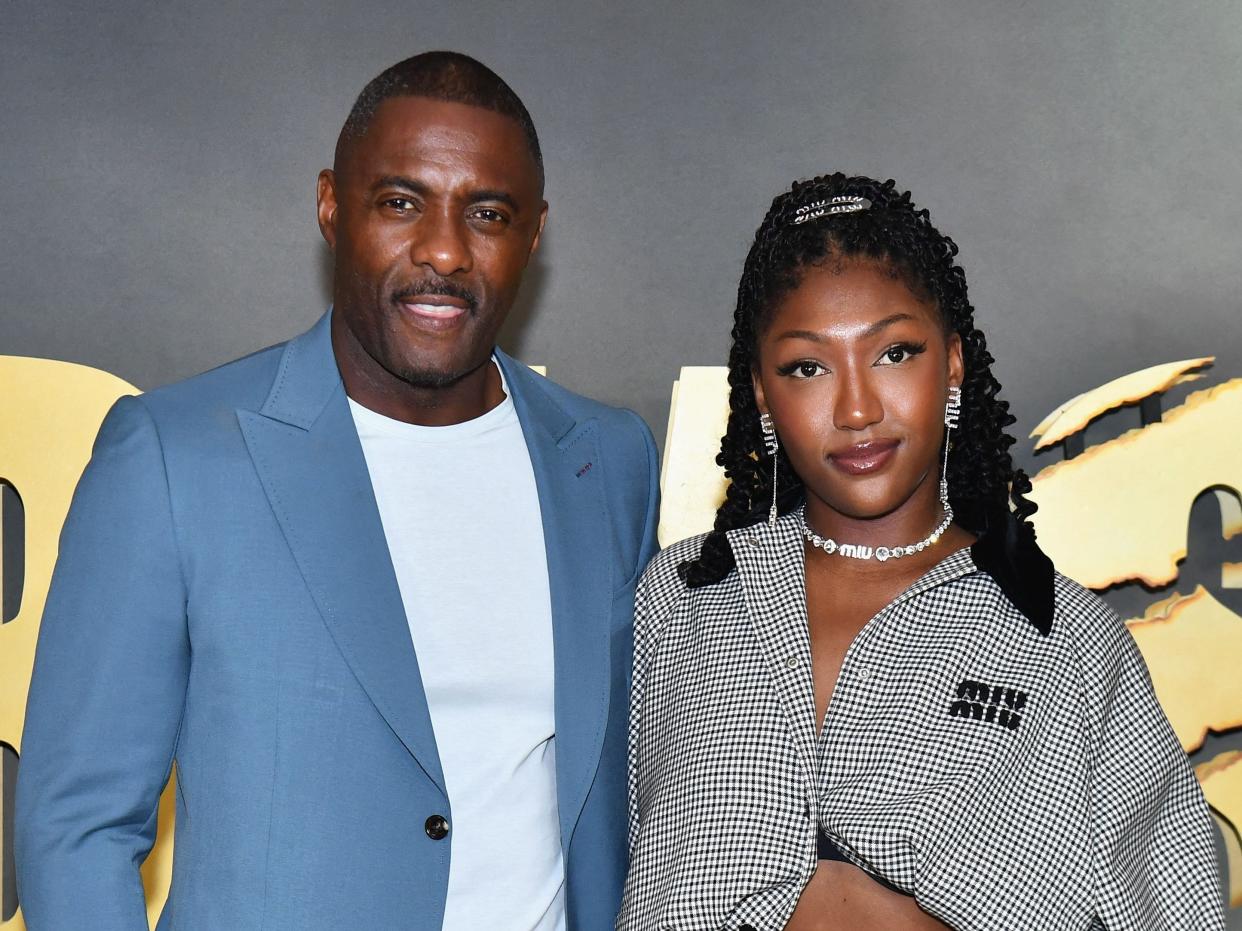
(870, 331)
(888, 321)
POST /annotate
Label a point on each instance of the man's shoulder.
(613, 421)
(241, 383)
(577, 405)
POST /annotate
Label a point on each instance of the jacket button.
(437, 827)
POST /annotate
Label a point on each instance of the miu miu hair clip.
(842, 203)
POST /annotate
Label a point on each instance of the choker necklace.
(882, 553)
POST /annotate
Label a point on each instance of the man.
(370, 590)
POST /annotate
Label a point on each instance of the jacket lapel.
(307, 454)
(565, 457)
(772, 569)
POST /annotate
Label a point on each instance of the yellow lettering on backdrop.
(1221, 778)
(1193, 644)
(50, 414)
(1079, 411)
(1193, 648)
(692, 486)
(1138, 531)
(1138, 526)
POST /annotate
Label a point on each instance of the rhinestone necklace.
(882, 553)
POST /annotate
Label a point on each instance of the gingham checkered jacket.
(1008, 780)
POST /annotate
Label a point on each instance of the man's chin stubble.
(431, 380)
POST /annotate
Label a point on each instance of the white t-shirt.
(461, 515)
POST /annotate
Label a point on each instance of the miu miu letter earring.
(952, 410)
(771, 444)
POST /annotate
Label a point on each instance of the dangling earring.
(771, 444)
(952, 410)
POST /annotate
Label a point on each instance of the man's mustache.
(436, 286)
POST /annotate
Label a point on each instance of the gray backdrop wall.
(157, 203)
(159, 160)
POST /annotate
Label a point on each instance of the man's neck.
(470, 397)
(377, 389)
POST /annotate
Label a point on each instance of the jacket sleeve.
(649, 544)
(1153, 845)
(642, 621)
(107, 692)
(642, 608)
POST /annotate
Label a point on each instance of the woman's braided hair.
(900, 237)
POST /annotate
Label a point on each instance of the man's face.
(432, 216)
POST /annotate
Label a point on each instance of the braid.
(900, 237)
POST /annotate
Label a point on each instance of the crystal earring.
(771, 444)
(952, 411)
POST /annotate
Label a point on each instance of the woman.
(865, 700)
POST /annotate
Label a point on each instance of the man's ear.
(325, 201)
(534, 243)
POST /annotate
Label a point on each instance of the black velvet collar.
(1006, 550)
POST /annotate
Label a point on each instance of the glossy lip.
(864, 458)
(437, 311)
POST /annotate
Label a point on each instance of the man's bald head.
(447, 76)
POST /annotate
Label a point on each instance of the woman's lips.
(864, 458)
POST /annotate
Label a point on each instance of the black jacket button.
(437, 827)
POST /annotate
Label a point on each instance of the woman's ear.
(757, 384)
(956, 365)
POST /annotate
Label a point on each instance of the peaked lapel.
(306, 451)
(771, 565)
(568, 474)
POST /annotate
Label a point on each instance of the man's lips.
(435, 309)
(863, 458)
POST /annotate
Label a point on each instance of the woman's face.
(855, 370)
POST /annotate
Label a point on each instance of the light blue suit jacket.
(225, 600)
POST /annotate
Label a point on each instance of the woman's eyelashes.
(802, 368)
(900, 352)
(893, 355)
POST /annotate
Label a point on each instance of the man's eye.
(399, 204)
(488, 215)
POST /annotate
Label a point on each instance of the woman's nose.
(857, 406)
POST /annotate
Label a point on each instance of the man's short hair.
(448, 76)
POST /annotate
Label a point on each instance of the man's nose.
(857, 405)
(441, 244)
